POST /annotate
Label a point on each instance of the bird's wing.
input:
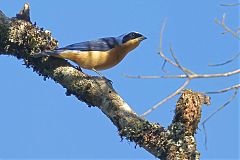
(103, 44)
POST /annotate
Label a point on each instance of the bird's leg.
(79, 68)
(102, 76)
(98, 73)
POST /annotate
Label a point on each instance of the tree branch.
(226, 62)
(179, 90)
(166, 59)
(230, 4)
(212, 114)
(193, 76)
(21, 39)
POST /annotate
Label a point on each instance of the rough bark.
(22, 39)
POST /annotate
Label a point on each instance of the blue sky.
(37, 120)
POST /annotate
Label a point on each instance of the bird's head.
(133, 37)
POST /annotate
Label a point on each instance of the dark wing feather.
(103, 44)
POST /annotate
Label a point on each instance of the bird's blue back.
(102, 44)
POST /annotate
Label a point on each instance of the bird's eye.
(133, 34)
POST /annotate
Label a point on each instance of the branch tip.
(24, 14)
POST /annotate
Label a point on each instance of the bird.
(100, 54)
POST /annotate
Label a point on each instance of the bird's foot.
(108, 80)
(103, 77)
(78, 68)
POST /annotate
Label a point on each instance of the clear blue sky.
(37, 120)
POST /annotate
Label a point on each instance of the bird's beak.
(142, 38)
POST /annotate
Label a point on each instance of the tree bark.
(22, 39)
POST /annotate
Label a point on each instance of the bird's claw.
(108, 80)
(78, 68)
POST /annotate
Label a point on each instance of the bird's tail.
(42, 54)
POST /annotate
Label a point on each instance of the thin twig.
(167, 98)
(161, 50)
(141, 77)
(205, 136)
(193, 76)
(185, 70)
(223, 90)
(163, 66)
(238, 30)
(211, 115)
(226, 28)
(161, 36)
(224, 63)
(230, 5)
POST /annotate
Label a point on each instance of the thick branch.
(21, 39)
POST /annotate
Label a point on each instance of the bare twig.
(226, 28)
(166, 59)
(230, 5)
(223, 90)
(167, 98)
(163, 66)
(238, 30)
(161, 36)
(192, 76)
(211, 115)
(24, 14)
(185, 70)
(205, 136)
(228, 61)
